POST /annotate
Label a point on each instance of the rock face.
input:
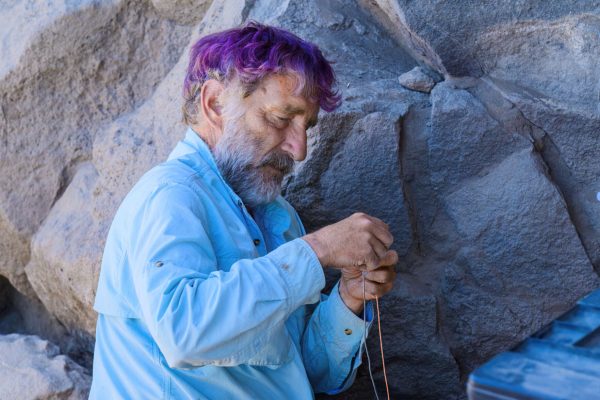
(182, 11)
(32, 368)
(66, 266)
(510, 273)
(488, 179)
(64, 79)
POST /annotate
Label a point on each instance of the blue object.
(197, 299)
(561, 361)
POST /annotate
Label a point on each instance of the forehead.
(280, 91)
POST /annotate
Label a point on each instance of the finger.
(373, 289)
(378, 222)
(379, 248)
(382, 233)
(372, 261)
(357, 267)
(390, 258)
(353, 272)
(377, 227)
(381, 275)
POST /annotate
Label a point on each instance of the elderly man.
(210, 287)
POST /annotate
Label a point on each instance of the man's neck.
(206, 133)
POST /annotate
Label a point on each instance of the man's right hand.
(359, 240)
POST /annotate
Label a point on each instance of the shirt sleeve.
(199, 315)
(332, 343)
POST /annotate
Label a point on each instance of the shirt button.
(348, 331)
(256, 242)
(158, 264)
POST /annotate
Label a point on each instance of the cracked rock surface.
(488, 178)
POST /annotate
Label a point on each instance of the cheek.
(264, 137)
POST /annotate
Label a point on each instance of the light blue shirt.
(198, 299)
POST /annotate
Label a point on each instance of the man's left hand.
(377, 283)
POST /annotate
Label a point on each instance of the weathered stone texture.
(182, 11)
(68, 75)
(34, 369)
(488, 182)
(465, 140)
(66, 266)
(519, 262)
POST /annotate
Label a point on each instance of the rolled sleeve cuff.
(345, 326)
(301, 270)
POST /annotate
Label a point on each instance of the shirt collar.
(193, 143)
(273, 212)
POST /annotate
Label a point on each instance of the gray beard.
(234, 155)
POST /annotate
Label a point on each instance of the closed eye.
(279, 122)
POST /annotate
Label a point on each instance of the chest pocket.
(232, 242)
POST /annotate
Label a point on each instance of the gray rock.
(14, 248)
(520, 265)
(465, 140)
(417, 79)
(417, 356)
(375, 180)
(454, 30)
(551, 47)
(568, 140)
(31, 368)
(185, 12)
(559, 60)
(27, 315)
(66, 252)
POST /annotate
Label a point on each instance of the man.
(210, 287)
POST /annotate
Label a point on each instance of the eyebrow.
(299, 110)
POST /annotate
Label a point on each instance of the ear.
(211, 108)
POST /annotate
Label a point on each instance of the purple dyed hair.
(251, 53)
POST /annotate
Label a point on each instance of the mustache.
(280, 161)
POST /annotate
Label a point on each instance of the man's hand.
(359, 240)
(359, 246)
(377, 283)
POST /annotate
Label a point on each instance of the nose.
(295, 143)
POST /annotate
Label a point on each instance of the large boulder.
(465, 36)
(465, 140)
(67, 75)
(64, 268)
(34, 369)
(519, 264)
(568, 138)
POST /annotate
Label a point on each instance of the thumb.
(390, 258)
